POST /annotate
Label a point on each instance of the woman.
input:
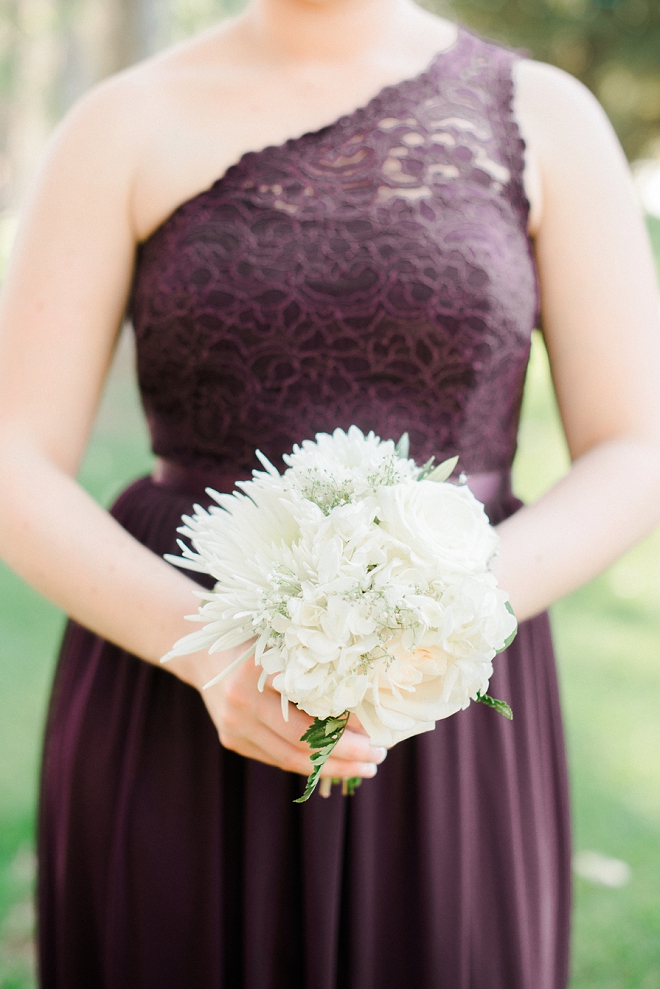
(331, 207)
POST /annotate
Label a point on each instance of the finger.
(238, 702)
(270, 710)
(355, 725)
(266, 746)
(352, 746)
(344, 770)
(356, 747)
(251, 723)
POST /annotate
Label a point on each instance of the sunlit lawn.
(608, 643)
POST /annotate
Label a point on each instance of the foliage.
(322, 736)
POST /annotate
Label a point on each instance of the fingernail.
(368, 769)
(380, 754)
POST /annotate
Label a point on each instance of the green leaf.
(443, 470)
(321, 736)
(334, 724)
(425, 469)
(500, 706)
(509, 640)
(403, 446)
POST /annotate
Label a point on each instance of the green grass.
(30, 629)
(653, 224)
(608, 644)
(607, 637)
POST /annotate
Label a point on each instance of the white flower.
(451, 663)
(341, 467)
(365, 589)
(477, 618)
(244, 543)
(441, 524)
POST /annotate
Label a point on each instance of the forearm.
(67, 547)
(609, 499)
(72, 551)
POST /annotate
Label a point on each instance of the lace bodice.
(376, 271)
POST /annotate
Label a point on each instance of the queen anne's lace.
(376, 272)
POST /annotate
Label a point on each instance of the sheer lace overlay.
(377, 272)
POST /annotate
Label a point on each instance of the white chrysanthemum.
(246, 545)
(344, 466)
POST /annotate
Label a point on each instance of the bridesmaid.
(125, 902)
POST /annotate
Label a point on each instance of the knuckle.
(230, 719)
(226, 739)
(234, 694)
(296, 764)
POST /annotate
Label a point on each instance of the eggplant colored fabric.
(376, 272)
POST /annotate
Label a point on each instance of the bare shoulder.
(544, 81)
(570, 143)
(558, 114)
(112, 114)
(97, 143)
(108, 134)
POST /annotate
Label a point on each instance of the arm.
(61, 307)
(601, 326)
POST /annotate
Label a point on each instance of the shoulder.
(118, 113)
(113, 113)
(571, 147)
(559, 113)
(98, 139)
(101, 144)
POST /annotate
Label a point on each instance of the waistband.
(488, 486)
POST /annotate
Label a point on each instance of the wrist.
(196, 669)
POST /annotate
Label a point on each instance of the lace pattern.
(376, 271)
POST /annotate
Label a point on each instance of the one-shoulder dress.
(377, 271)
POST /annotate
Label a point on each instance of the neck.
(331, 30)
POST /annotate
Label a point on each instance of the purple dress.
(376, 272)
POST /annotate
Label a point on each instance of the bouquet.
(364, 579)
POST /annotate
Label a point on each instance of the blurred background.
(607, 634)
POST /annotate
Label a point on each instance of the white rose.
(422, 686)
(477, 619)
(442, 524)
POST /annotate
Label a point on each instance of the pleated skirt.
(169, 862)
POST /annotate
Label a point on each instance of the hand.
(250, 722)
